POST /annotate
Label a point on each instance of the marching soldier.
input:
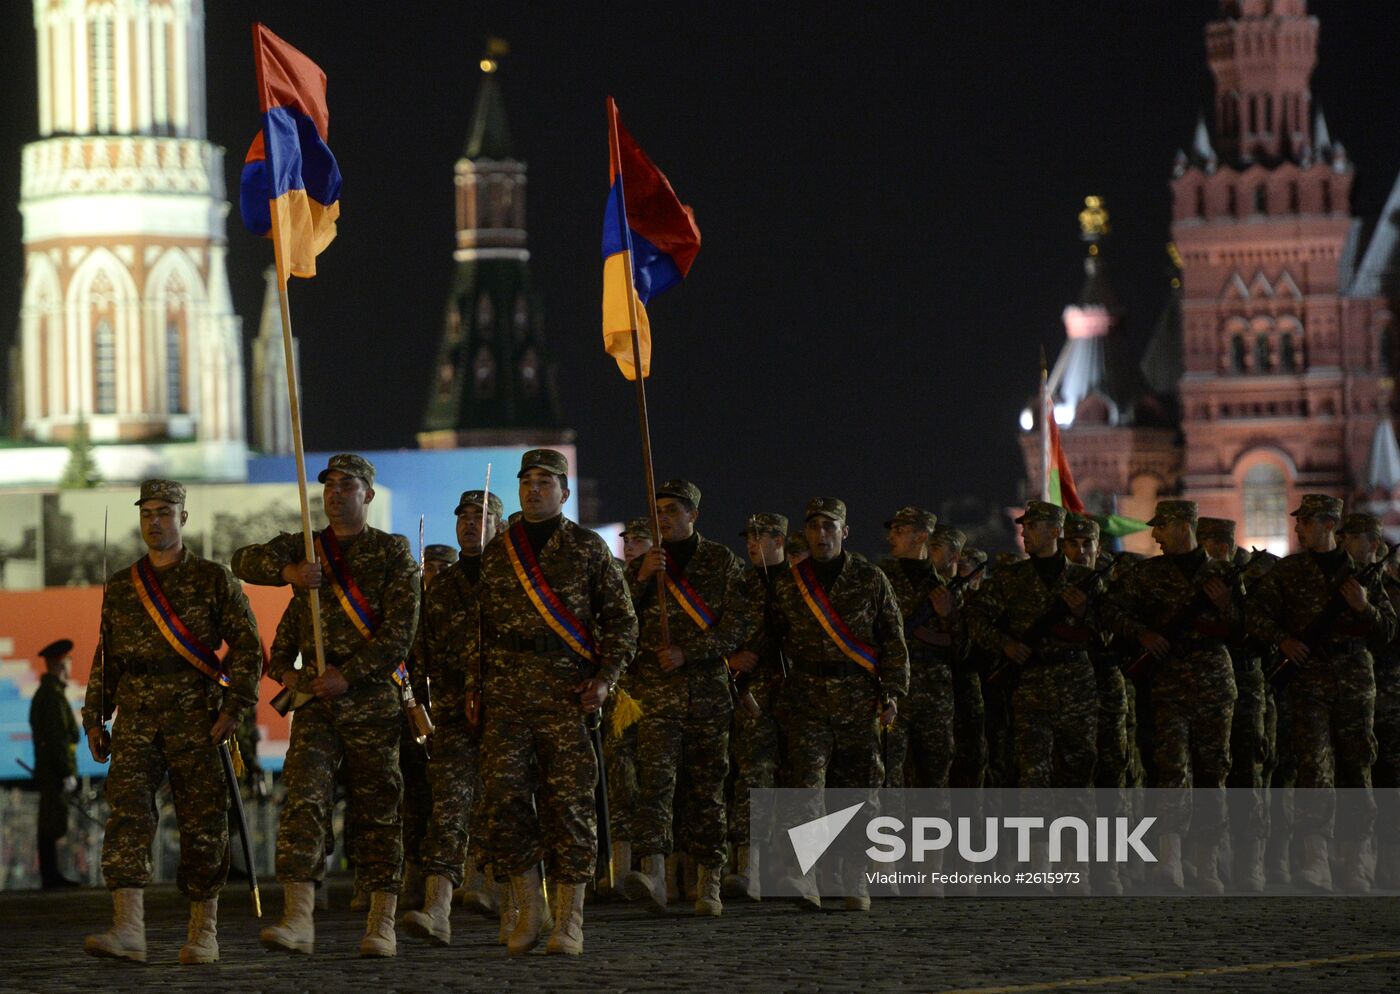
(437, 559)
(839, 625)
(683, 691)
(1386, 771)
(1182, 608)
(757, 745)
(969, 767)
(1314, 608)
(449, 618)
(162, 621)
(54, 732)
(354, 717)
(636, 539)
(557, 630)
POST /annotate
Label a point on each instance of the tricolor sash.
(561, 621)
(836, 629)
(171, 628)
(352, 600)
(688, 597)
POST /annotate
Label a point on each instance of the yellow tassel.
(626, 712)
(238, 768)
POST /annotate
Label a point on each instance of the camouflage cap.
(473, 498)
(680, 490)
(1039, 510)
(796, 544)
(546, 459)
(440, 553)
(1174, 510)
(1319, 506)
(954, 538)
(830, 507)
(765, 521)
(351, 465)
(916, 516)
(637, 528)
(973, 557)
(170, 491)
(1081, 526)
(1215, 529)
(1361, 523)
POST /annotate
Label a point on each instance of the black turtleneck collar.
(916, 570)
(1189, 563)
(827, 572)
(471, 566)
(1049, 568)
(540, 532)
(1332, 561)
(680, 552)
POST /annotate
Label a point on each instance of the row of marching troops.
(808, 667)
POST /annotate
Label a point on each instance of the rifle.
(1184, 619)
(236, 795)
(1052, 617)
(916, 627)
(1324, 621)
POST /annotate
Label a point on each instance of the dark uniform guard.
(557, 630)
(54, 732)
(369, 610)
(162, 621)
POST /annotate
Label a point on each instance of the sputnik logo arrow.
(812, 838)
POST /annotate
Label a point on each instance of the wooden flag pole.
(1046, 412)
(294, 400)
(638, 377)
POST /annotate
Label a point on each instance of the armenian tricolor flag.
(290, 175)
(649, 235)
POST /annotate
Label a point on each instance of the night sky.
(888, 204)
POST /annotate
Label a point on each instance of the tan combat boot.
(1248, 875)
(1208, 869)
(1315, 871)
(202, 943)
(1354, 872)
(1277, 865)
(529, 899)
(296, 932)
(567, 937)
(1167, 872)
(707, 900)
(126, 939)
(741, 882)
(509, 910)
(477, 892)
(648, 884)
(434, 922)
(379, 939)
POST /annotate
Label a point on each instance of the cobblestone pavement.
(1146, 945)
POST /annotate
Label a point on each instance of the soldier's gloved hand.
(70, 784)
(1296, 650)
(653, 562)
(330, 684)
(743, 661)
(1355, 595)
(1155, 644)
(591, 694)
(671, 658)
(1016, 651)
(99, 744)
(306, 576)
(473, 708)
(942, 601)
(222, 728)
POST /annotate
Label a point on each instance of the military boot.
(202, 942)
(477, 892)
(743, 882)
(296, 932)
(126, 939)
(1277, 867)
(707, 900)
(1248, 867)
(1314, 871)
(567, 937)
(1354, 872)
(1208, 869)
(509, 911)
(1167, 872)
(379, 939)
(648, 884)
(859, 897)
(529, 898)
(434, 922)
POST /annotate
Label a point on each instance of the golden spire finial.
(1093, 219)
(495, 49)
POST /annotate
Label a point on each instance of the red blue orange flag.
(649, 242)
(290, 176)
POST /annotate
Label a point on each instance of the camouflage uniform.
(832, 704)
(362, 728)
(1332, 698)
(1193, 688)
(686, 713)
(620, 745)
(1055, 701)
(165, 708)
(997, 693)
(535, 748)
(922, 736)
(1386, 771)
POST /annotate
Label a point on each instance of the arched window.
(1293, 197)
(1263, 358)
(104, 350)
(174, 369)
(1253, 115)
(484, 373)
(485, 316)
(1200, 201)
(1237, 358)
(1232, 206)
(1268, 113)
(1265, 493)
(1326, 197)
(1288, 359)
(529, 373)
(1261, 199)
